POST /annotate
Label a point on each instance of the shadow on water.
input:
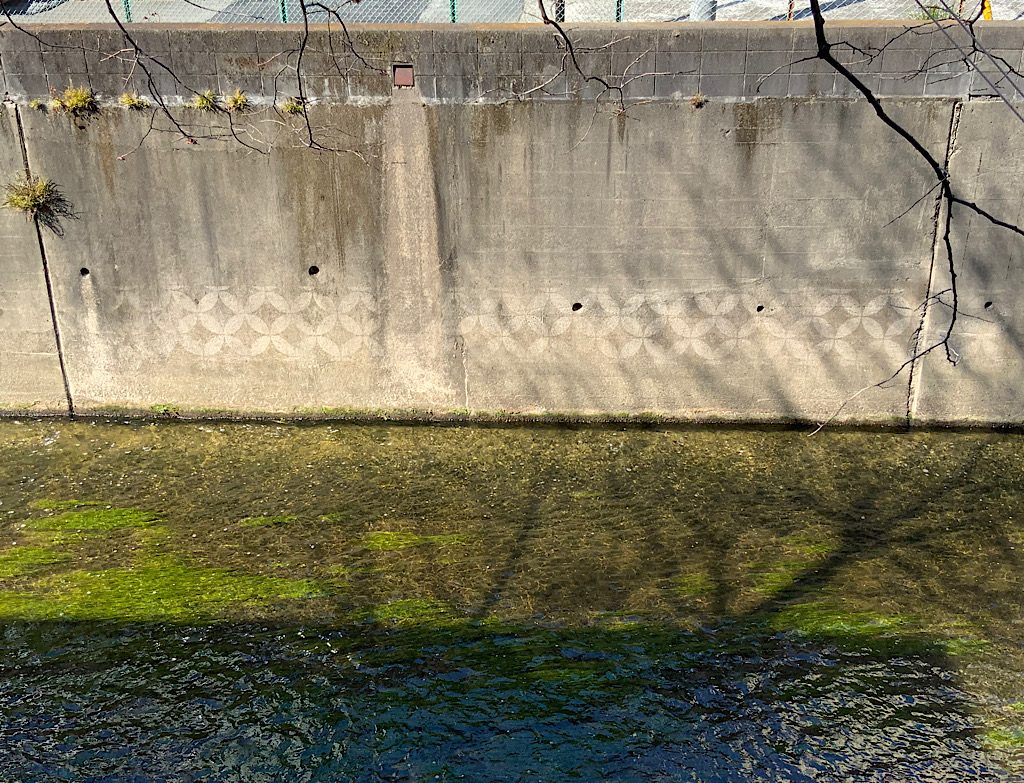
(213, 602)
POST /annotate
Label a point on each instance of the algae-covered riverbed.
(261, 602)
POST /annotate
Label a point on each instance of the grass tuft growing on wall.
(238, 102)
(206, 101)
(133, 101)
(40, 199)
(77, 101)
(293, 106)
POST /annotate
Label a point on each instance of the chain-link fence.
(486, 11)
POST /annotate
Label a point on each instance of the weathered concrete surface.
(454, 241)
(986, 384)
(735, 261)
(30, 377)
(198, 292)
(457, 63)
(756, 259)
(422, 350)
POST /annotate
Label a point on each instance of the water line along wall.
(458, 246)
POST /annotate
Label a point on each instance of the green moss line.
(1005, 738)
(22, 561)
(161, 589)
(390, 540)
(96, 519)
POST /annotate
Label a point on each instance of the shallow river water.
(264, 602)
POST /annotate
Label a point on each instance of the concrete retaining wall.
(30, 374)
(749, 260)
(458, 63)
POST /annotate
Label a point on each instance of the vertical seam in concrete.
(913, 383)
(465, 371)
(46, 273)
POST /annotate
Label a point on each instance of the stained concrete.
(988, 339)
(730, 262)
(737, 261)
(30, 376)
(199, 292)
(755, 259)
(457, 63)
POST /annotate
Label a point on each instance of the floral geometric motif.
(254, 321)
(664, 325)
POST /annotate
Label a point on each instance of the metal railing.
(482, 11)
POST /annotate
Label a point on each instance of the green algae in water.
(572, 672)
(408, 611)
(694, 585)
(20, 561)
(770, 579)
(963, 647)
(337, 572)
(268, 521)
(391, 540)
(810, 543)
(802, 553)
(821, 620)
(96, 519)
(1005, 738)
(159, 589)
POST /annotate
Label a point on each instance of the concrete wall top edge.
(726, 24)
(475, 63)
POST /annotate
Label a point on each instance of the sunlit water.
(379, 603)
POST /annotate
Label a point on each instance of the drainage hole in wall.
(576, 306)
(314, 270)
(760, 308)
(988, 305)
(84, 272)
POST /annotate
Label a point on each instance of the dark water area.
(215, 602)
